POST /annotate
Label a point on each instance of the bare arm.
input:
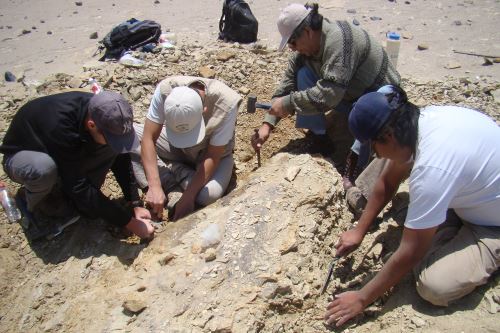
(204, 172)
(385, 187)
(155, 195)
(414, 245)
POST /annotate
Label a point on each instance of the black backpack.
(237, 22)
(129, 35)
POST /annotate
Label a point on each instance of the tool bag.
(129, 35)
(237, 22)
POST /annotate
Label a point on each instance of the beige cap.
(184, 124)
(290, 18)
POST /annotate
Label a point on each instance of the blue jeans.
(316, 123)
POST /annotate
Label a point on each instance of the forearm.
(204, 172)
(380, 196)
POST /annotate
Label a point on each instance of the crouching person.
(451, 236)
(70, 141)
(187, 143)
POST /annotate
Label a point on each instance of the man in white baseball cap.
(187, 143)
(332, 65)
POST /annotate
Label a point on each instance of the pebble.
(351, 11)
(94, 35)
(134, 306)
(79, 3)
(166, 259)
(26, 31)
(419, 322)
(452, 65)
(375, 18)
(210, 255)
(422, 47)
(487, 62)
(355, 22)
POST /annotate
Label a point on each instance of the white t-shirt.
(221, 136)
(457, 165)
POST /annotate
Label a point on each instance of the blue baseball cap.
(372, 111)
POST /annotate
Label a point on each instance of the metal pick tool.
(330, 273)
(258, 150)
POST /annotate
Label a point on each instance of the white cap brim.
(188, 139)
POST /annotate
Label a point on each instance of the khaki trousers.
(178, 166)
(462, 256)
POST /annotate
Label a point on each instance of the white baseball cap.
(290, 18)
(184, 122)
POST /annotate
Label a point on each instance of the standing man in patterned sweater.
(332, 65)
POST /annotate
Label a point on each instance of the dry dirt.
(278, 223)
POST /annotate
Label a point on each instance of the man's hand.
(277, 108)
(142, 213)
(183, 207)
(141, 227)
(348, 242)
(260, 136)
(344, 307)
(155, 198)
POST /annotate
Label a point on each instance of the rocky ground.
(254, 261)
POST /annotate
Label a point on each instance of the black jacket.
(55, 125)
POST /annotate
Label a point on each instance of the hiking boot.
(355, 200)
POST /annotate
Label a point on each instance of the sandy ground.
(79, 281)
(443, 26)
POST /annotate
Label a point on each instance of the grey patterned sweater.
(350, 63)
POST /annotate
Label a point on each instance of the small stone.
(457, 22)
(487, 62)
(244, 90)
(375, 18)
(207, 72)
(422, 47)
(134, 306)
(42, 21)
(79, 3)
(157, 2)
(224, 55)
(49, 32)
(407, 2)
(376, 251)
(355, 22)
(33, 28)
(419, 322)
(292, 172)
(210, 255)
(452, 65)
(74, 83)
(351, 11)
(407, 35)
(166, 259)
(26, 31)
(94, 35)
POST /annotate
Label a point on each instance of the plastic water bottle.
(9, 205)
(392, 47)
(168, 40)
(94, 86)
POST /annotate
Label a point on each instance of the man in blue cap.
(73, 139)
(451, 234)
